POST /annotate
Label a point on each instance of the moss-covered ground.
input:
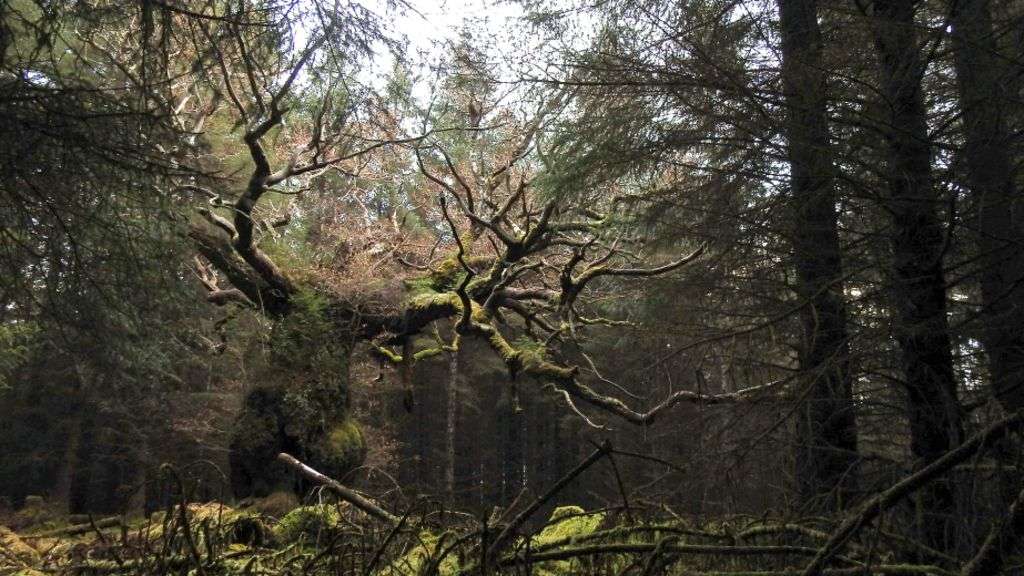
(276, 535)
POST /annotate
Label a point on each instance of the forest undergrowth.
(337, 530)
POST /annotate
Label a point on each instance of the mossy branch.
(646, 548)
(387, 355)
(625, 532)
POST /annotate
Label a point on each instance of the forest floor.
(278, 536)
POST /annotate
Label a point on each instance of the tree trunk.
(826, 426)
(62, 488)
(451, 410)
(512, 463)
(81, 487)
(918, 283)
(984, 100)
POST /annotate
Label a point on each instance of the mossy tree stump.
(304, 411)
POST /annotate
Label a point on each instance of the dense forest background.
(764, 257)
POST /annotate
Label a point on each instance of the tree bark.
(918, 285)
(826, 426)
(983, 83)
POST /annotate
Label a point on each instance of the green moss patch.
(307, 523)
(422, 555)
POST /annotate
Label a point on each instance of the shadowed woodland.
(630, 287)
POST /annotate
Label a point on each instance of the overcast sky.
(436, 19)
(431, 22)
(430, 26)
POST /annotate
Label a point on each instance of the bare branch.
(467, 304)
(882, 502)
(345, 493)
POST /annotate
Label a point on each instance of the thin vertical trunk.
(512, 464)
(450, 413)
(562, 445)
(70, 464)
(918, 283)
(826, 426)
(983, 81)
(80, 491)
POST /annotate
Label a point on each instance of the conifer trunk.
(918, 285)
(983, 82)
(826, 426)
(451, 409)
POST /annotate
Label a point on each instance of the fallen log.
(76, 529)
(345, 493)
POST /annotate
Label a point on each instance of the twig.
(183, 519)
(652, 561)
(663, 547)
(104, 541)
(383, 545)
(622, 487)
